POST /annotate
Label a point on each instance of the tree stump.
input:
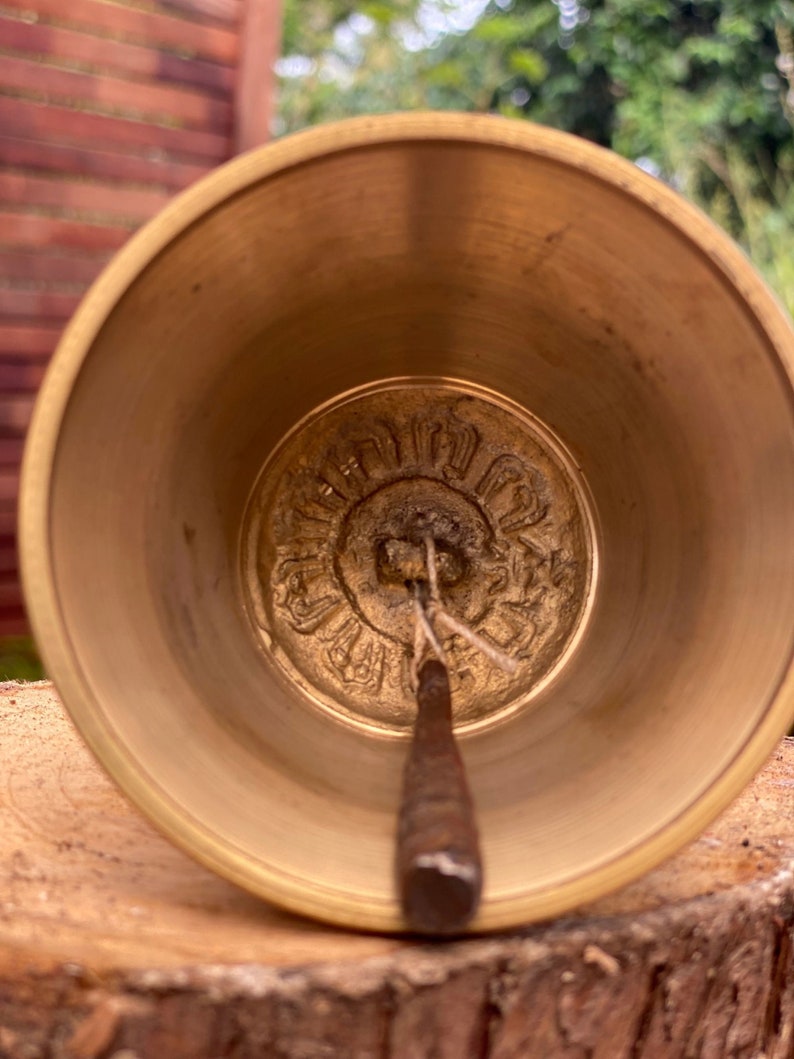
(114, 945)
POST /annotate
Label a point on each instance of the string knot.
(430, 613)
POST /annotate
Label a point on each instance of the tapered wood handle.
(439, 867)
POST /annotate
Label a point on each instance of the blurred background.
(108, 109)
(699, 94)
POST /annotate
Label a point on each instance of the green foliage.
(19, 660)
(699, 90)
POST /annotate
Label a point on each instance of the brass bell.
(329, 345)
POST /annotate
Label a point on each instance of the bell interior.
(510, 269)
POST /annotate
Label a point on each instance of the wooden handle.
(439, 868)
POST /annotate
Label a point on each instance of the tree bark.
(114, 944)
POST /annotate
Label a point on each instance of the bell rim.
(44, 607)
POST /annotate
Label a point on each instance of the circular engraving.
(334, 538)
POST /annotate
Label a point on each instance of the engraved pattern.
(390, 465)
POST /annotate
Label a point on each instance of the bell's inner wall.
(509, 271)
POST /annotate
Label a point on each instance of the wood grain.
(114, 943)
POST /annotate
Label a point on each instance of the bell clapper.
(439, 864)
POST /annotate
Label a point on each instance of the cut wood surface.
(114, 944)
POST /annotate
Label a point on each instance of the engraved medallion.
(335, 526)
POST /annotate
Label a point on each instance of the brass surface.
(355, 487)
(608, 327)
